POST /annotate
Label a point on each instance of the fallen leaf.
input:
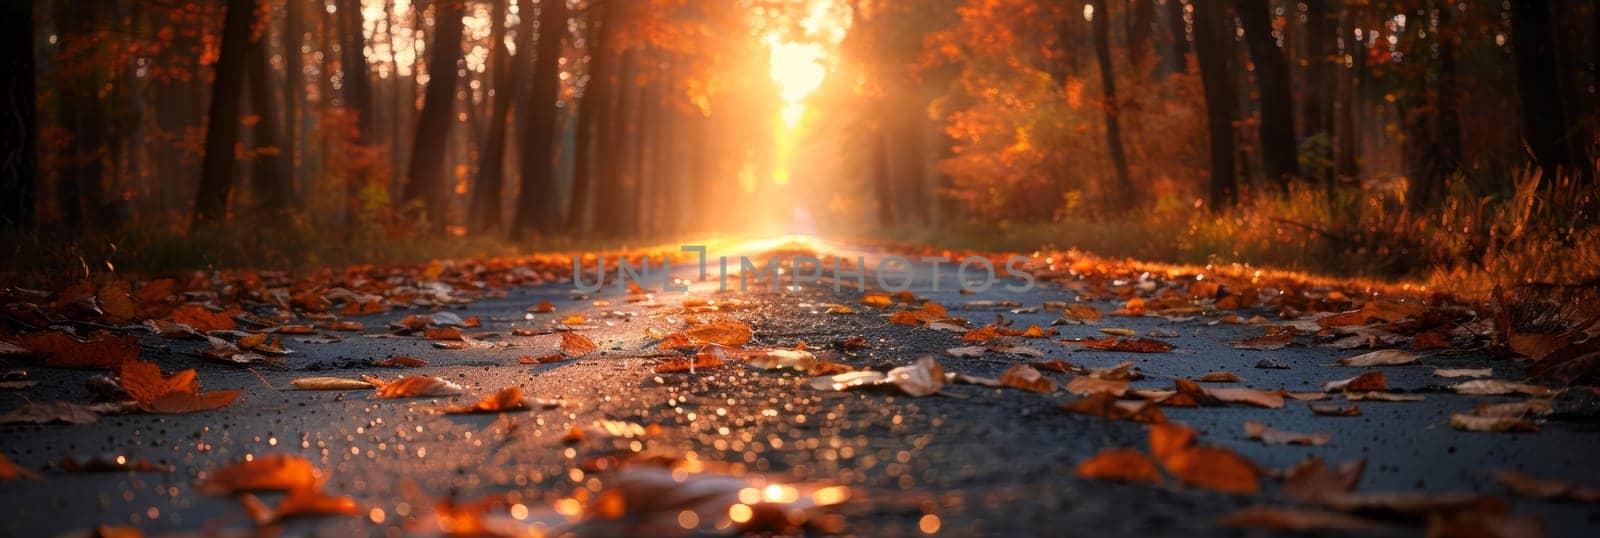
(1289, 519)
(544, 307)
(1083, 385)
(1491, 387)
(1133, 345)
(1369, 381)
(876, 299)
(1464, 372)
(1082, 313)
(547, 359)
(1533, 406)
(1213, 468)
(506, 399)
(1221, 377)
(1381, 396)
(10, 471)
(1266, 342)
(46, 413)
(1262, 432)
(576, 345)
(300, 503)
(922, 378)
(445, 333)
(772, 359)
(414, 387)
(847, 380)
(1106, 405)
(329, 383)
(179, 393)
(681, 364)
(204, 319)
(722, 333)
(1121, 464)
(1258, 398)
(1168, 439)
(103, 350)
(1382, 357)
(1413, 504)
(1311, 480)
(269, 472)
(401, 361)
(1474, 423)
(1118, 331)
(1022, 376)
(1329, 410)
(1555, 490)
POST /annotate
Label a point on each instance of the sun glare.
(801, 52)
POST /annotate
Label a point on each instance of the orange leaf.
(726, 333)
(188, 403)
(144, 382)
(1133, 345)
(577, 345)
(10, 471)
(544, 307)
(401, 361)
(547, 359)
(203, 319)
(1213, 468)
(414, 386)
(104, 350)
(680, 364)
(507, 399)
(443, 333)
(271, 472)
(1124, 464)
(1024, 377)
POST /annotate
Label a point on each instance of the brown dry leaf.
(1289, 519)
(847, 380)
(294, 329)
(1381, 396)
(1485, 525)
(1534, 406)
(1221, 377)
(1258, 398)
(47, 413)
(1464, 372)
(10, 471)
(408, 362)
(1366, 382)
(922, 378)
(1332, 410)
(1262, 432)
(981, 334)
(177, 394)
(204, 319)
(414, 387)
(547, 359)
(1170, 438)
(1121, 464)
(506, 399)
(1024, 377)
(576, 345)
(1391, 311)
(1213, 468)
(1266, 342)
(1118, 331)
(681, 365)
(104, 350)
(1311, 480)
(1413, 504)
(1528, 486)
(300, 503)
(1474, 423)
(1082, 313)
(876, 299)
(1133, 345)
(544, 307)
(443, 333)
(772, 359)
(929, 312)
(1382, 357)
(1106, 405)
(1083, 385)
(674, 341)
(329, 383)
(1492, 387)
(270, 472)
(723, 333)
(1434, 339)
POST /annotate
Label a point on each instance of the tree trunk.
(427, 183)
(1348, 140)
(537, 207)
(1180, 36)
(222, 123)
(1548, 130)
(82, 112)
(593, 114)
(608, 184)
(356, 87)
(882, 182)
(483, 215)
(294, 82)
(1321, 29)
(19, 130)
(269, 171)
(1278, 148)
(1213, 39)
(1141, 13)
(1124, 193)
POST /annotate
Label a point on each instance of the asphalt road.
(984, 461)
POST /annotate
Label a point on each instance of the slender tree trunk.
(1141, 13)
(608, 210)
(1213, 40)
(1322, 22)
(270, 171)
(294, 82)
(356, 88)
(1348, 140)
(882, 182)
(19, 130)
(222, 123)
(1180, 36)
(537, 207)
(427, 183)
(82, 112)
(1278, 148)
(1436, 121)
(1124, 192)
(483, 215)
(593, 114)
(1548, 130)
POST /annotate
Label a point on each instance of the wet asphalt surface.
(986, 461)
